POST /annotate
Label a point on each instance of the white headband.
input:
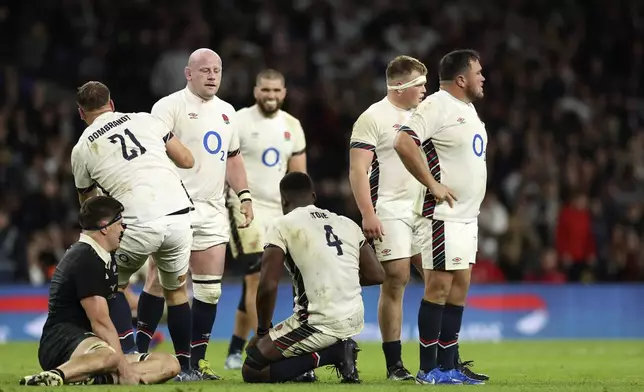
(419, 81)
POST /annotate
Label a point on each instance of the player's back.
(125, 154)
(323, 251)
(393, 188)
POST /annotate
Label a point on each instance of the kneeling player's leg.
(150, 308)
(292, 349)
(154, 368)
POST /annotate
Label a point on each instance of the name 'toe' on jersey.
(125, 155)
(322, 256)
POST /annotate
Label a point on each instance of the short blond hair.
(404, 66)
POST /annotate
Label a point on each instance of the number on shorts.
(336, 243)
(133, 153)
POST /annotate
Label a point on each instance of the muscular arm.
(98, 314)
(371, 271)
(297, 163)
(178, 152)
(272, 265)
(359, 163)
(236, 173)
(409, 154)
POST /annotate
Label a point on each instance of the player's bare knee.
(437, 286)
(397, 277)
(251, 375)
(207, 288)
(111, 361)
(175, 294)
(152, 285)
(170, 366)
(459, 289)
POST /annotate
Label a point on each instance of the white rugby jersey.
(393, 188)
(125, 155)
(209, 131)
(266, 145)
(454, 141)
(322, 255)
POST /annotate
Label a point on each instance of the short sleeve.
(90, 279)
(233, 147)
(425, 122)
(274, 236)
(365, 133)
(299, 139)
(159, 127)
(165, 111)
(82, 179)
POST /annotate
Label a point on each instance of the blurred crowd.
(562, 106)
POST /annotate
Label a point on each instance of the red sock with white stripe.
(448, 342)
(430, 317)
(289, 368)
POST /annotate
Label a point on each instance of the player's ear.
(81, 113)
(187, 73)
(460, 81)
(111, 104)
(315, 197)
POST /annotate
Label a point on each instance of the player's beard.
(474, 94)
(269, 111)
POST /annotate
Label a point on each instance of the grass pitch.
(570, 366)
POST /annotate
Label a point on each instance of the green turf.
(568, 366)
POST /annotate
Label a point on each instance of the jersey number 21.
(133, 153)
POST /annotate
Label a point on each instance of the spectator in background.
(563, 106)
(575, 242)
(548, 270)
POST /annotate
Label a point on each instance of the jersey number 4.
(133, 153)
(332, 240)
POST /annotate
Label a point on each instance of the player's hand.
(128, 376)
(246, 210)
(442, 193)
(372, 227)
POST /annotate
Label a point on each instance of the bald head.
(202, 55)
(203, 73)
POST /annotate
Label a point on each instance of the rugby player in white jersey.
(208, 127)
(328, 260)
(453, 171)
(126, 155)
(385, 194)
(272, 142)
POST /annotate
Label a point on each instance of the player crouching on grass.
(79, 343)
(329, 260)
